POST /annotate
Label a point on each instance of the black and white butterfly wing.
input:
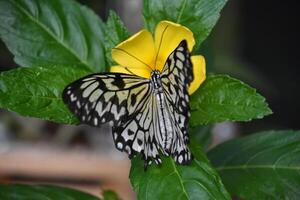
(176, 77)
(137, 134)
(106, 97)
(131, 106)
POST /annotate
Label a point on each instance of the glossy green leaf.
(170, 181)
(200, 16)
(261, 166)
(41, 192)
(115, 33)
(36, 91)
(43, 32)
(222, 98)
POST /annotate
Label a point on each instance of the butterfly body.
(156, 84)
(148, 115)
(164, 117)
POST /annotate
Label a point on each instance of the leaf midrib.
(231, 104)
(181, 11)
(244, 167)
(85, 64)
(180, 179)
(54, 98)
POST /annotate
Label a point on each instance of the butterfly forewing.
(106, 98)
(176, 76)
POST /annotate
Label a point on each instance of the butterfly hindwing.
(136, 135)
(106, 98)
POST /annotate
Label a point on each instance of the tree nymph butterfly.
(148, 116)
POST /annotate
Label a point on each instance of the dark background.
(270, 40)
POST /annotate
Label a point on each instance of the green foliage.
(62, 41)
(36, 91)
(115, 32)
(198, 180)
(41, 192)
(42, 32)
(198, 15)
(260, 166)
(110, 195)
(222, 98)
(202, 135)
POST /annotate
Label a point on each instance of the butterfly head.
(155, 79)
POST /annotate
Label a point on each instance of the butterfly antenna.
(133, 57)
(126, 68)
(160, 42)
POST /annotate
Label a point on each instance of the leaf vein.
(51, 34)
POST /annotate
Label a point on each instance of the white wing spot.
(73, 97)
(107, 96)
(95, 95)
(120, 145)
(179, 64)
(89, 89)
(115, 135)
(89, 79)
(186, 97)
(85, 84)
(95, 121)
(180, 159)
(180, 56)
(128, 150)
(86, 108)
(180, 49)
(99, 108)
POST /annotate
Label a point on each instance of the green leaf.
(41, 192)
(261, 166)
(36, 91)
(110, 195)
(42, 32)
(198, 180)
(115, 33)
(222, 98)
(200, 16)
(203, 135)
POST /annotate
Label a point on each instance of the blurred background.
(254, 41)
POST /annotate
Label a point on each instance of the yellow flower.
(141, 53)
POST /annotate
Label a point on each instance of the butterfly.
(148, 115)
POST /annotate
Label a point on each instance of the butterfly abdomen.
(165, 124)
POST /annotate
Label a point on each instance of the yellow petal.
(199, 71)
(168, 35)
(142, 72)
(136, 53)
